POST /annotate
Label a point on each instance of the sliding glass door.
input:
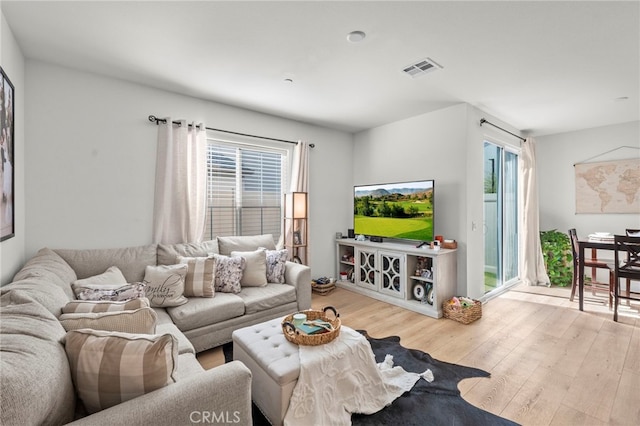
(500, 216)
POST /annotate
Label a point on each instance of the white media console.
(419, 279)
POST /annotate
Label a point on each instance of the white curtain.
(181, 182)
(532, 269)
(300, 168)
(299, 181)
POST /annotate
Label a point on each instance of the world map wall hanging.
(608, 187)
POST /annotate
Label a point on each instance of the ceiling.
(542, 67)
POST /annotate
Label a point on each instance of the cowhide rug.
(433, 404)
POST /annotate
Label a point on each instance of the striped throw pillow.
(200, 276)
(87, 306)
(109, 368)
(141, 321)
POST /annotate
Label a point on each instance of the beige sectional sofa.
(36, 382)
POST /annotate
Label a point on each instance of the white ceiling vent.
(421, 67)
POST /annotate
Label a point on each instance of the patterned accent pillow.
(165, 285)
(255, 270)
(111, 276)
(87, 306)
(229, 273)
(116, 292)
(200, 277)
(276, 265)
(141, 321)
(108, 368)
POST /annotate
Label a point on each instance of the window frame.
(241, 144)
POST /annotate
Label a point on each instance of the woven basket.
(463, 315)
(322, 289)
(295, 336)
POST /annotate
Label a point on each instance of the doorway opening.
(500, 216)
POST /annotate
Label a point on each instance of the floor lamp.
(295, 225)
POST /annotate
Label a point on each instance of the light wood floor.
(550, 364)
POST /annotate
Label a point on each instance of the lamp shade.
(296, 205)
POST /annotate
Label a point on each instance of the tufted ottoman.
(274, 364)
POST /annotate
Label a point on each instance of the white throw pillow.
(164, 285)
(255, 270)
(111, 276)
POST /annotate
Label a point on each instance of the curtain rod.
(482, 121)
(156, 120)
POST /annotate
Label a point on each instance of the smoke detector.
(421, 67)
(356, 36)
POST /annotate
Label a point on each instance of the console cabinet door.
(391, 266)
(366, 269)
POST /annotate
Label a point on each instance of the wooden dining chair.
(594, 263)
(630, 232)
(627, 266)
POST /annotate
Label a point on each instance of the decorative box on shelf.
(462, 309)
(449, 244)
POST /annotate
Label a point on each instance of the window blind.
(244, 190)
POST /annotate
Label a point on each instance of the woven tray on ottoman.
(464, 315)
(299, 338)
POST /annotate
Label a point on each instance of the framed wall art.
(7, 222)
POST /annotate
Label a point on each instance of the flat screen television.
(402, 210)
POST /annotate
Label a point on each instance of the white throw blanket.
(341, 377)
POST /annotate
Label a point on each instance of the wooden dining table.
(582, 246)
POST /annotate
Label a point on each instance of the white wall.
(89, 165)
(90, 161)
(428, 146)
(12, 253)
(556, 155)
(445, 145)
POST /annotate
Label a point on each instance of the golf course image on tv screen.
(394, 210)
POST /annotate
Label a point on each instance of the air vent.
(421, 67)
